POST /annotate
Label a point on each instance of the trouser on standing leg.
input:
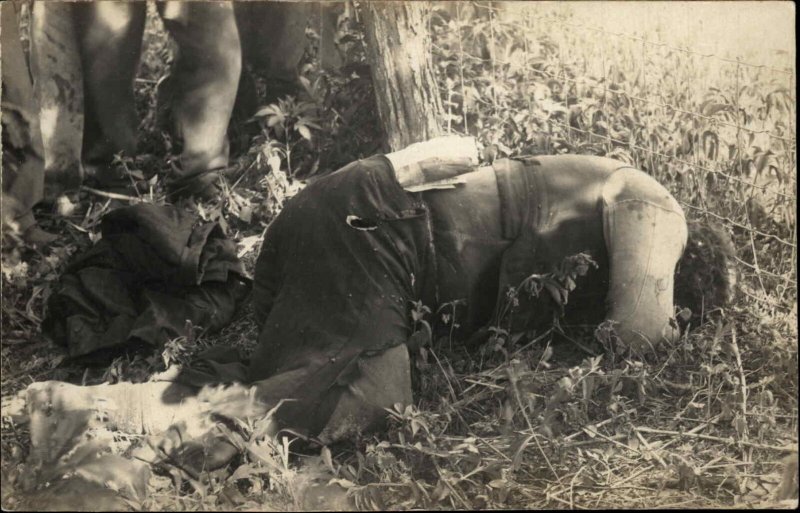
(23, 184)
(58, 87)
(204, 80)
(111, 41)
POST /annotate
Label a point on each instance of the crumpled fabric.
(155, 268)
(215, 366)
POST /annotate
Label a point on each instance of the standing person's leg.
(645, 234)
(204, 80)
(58, 87)
(111, 41)
(23, 181)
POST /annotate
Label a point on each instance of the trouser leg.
(645, 236)
(141, 408)
(332, 407)
(111, 41)
(384, 380)
(204, 80)
(60, 413)
(17, 86)
(23, 185)
(58, 86)
(65, 418)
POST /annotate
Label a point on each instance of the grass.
(537, 421)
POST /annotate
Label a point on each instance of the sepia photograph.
(369, 255)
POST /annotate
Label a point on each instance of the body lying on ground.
(342, 264)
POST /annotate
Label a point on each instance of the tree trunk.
(398, 50)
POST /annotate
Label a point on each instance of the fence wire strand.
(747, 164)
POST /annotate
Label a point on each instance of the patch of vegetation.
(549, 419)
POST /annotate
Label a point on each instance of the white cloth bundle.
(434, 164)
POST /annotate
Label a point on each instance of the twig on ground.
(490, 385)
(597, 425)
(513, 380)
(248, 168)
(644, 429)
(650, 448)
(491, 372)
(562, 501)
(594, 432)
(492, 447)
(742, 379)
(594, 441)
(572, 487)
(633, 476)
(546, 459)
(444, 373)
(111, 195)
(455, 493)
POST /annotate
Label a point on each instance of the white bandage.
(437, 160)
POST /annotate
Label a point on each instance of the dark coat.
(155, 268)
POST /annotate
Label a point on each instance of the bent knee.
(385, 380)
(632, 184)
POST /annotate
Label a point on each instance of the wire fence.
(717, 131)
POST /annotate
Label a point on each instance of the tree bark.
(398, 50)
